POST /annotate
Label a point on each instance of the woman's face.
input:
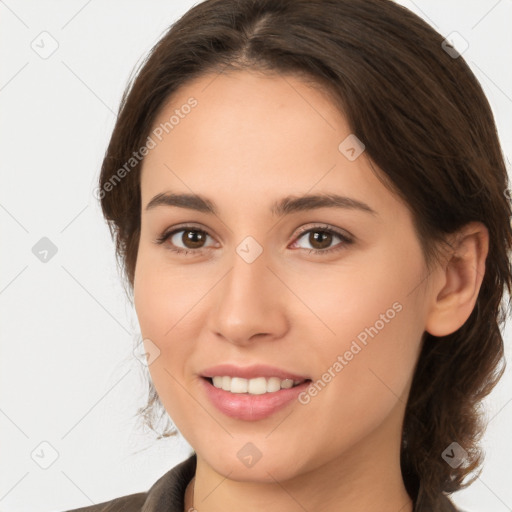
(331, 289)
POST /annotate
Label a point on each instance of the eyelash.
(345, 240)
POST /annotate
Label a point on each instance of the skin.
(251, 140)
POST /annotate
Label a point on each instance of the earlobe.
(460, 280)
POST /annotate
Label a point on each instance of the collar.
(168, 492)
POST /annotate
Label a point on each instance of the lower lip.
(244, 406)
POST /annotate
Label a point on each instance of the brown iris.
(193, 239)
(323, 238)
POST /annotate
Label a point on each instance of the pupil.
(193, 239)
(322, 238)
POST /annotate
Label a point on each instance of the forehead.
(246, 113)
(250, 133)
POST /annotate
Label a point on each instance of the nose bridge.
(247, 301)
(247, 277)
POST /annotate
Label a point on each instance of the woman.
(308, 199)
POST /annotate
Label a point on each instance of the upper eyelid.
(324, 227)
(185, 227)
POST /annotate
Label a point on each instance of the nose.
(249, 303)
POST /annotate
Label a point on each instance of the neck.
(366, 478)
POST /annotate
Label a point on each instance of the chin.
(249, 465)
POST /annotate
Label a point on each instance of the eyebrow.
(285, 206)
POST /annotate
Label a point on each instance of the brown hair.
(426, 124)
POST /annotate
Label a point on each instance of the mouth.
(254, 392)
(255, 385)
(252, 399)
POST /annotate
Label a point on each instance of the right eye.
(185, 240)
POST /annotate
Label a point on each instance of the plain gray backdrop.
(70, 385)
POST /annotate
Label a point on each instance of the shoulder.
(166, 494)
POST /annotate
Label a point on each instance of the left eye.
(319, 239)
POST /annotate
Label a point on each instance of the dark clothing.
(167, 494)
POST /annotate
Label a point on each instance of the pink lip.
(244, 406)
(250, 372)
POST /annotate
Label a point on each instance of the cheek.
(163, 294)
(371, 308)
(363, 373)
(366, 364)
(371, 299)
(374, 343)
(164, 304)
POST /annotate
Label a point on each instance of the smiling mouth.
(254, 386)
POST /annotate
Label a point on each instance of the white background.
(68, 375)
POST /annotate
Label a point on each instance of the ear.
(460, 277)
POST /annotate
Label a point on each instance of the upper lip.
(251, 372)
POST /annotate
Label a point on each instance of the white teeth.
(287, 383)
(226, 383)
(257, 386)
(273, 384)
(238, 385)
